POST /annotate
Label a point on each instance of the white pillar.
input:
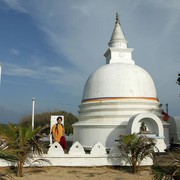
(33, 105)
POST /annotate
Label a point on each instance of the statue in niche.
(143, 129)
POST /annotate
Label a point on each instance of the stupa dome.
(119, 80)
(120, 77)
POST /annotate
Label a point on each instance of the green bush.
(44, 119)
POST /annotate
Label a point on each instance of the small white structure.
(117, 97)
(174, 130)
(77, 157)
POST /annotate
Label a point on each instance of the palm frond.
(9, 155)
(19, 142)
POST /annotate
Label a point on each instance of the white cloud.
(55, 69)
(14, 51)
(16, 4)
(67, 78)
(75, 29)
(15, 70)
(80, 30)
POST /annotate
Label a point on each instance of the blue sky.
(48, 49)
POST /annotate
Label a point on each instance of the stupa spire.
(118, 51)
(117, 18)
(118, 36)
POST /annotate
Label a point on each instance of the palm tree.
(18, 143)
(171, 170)
(134, 148)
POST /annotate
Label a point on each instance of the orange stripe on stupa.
(119, 98)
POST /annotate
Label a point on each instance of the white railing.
(76, 156)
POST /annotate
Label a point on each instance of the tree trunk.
(19, 169)
(134, 164)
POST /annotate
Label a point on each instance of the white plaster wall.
(77, 157)
(90, 135)
(115, 109)
(119, 55)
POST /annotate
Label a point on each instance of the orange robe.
(57, 132)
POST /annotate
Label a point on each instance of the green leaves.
(135, 148)
(44, 119)
(18, 142)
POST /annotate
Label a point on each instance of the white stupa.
(117, 98)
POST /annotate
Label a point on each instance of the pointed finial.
(117, 18)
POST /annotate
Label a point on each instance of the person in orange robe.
(58, 133)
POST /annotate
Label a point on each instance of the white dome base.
(89, 133)
(105, 121)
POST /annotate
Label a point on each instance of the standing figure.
(58, 133)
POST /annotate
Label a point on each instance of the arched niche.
(152, 122)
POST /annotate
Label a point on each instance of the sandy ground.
(92, 173)
(75, 173)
